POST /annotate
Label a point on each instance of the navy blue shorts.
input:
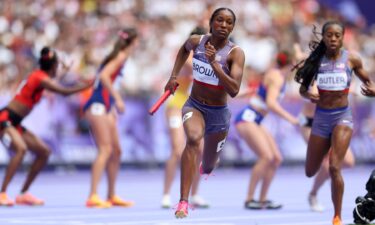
(325, 120)
(249, 114)
(216, 118)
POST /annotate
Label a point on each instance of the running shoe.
(182, 209)
(166, 202)
(252, 204)
(271, 205)
(314, 204)
(5, 200)
(336, 221)
(117, 201)
(201, 172)
(95, 202)
(198, 202)
(28, 199)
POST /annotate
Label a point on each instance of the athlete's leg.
(195, 184)
(12, 139)
(100, 130)
(317, 149)
(41, 151)
(213, 144)
(194, 130)
(177, 139)
(341, 137)
(114, 160)
(275, 163)
(258, 142)
(323, 173)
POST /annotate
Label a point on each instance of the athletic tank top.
(202, 70)
(259, 100)
(30, 90)
(334, 75)
(99, 89)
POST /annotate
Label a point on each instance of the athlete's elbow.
(233, 93)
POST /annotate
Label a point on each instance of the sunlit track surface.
(65, 195)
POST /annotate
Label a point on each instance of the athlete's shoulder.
(194, 40)
(354, 58)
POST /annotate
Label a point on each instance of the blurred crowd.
(84, 30)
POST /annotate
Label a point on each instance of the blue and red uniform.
(100, 94)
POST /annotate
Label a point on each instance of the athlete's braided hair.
(214, 14)
(306, 74)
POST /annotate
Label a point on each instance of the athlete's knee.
(44, 154)
(105, 151)
(277, 161)
(349, 163)
(20, 149)
(310, 172)
(266, 159)
(334, 169)
(194, 139)
(176, 156)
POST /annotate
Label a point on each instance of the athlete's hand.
(314, 98)
(120, 106)
(171, 85)
(87, 83)
(368, 89)
(210, 52)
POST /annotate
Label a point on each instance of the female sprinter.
(217, 69)
(101, 116)
(176, 133)
(17, 138)
(260, 140)
(331, 67)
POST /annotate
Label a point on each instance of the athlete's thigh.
(274, 148)
(113, 129)
(255, 138)
(176, 130)
(341, 137)
(100, 127)
(349, 159)
(12, 139)
(317, 148)
(193, 122)
(34, 143)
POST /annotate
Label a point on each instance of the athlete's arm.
(274, 86)
(368, 87)
(190, 44)
(357, 67)
(310, 93)
(51, 85)
(110, 68)
(236, 59)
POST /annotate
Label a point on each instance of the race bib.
(332, 81)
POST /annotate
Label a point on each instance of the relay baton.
(160, 101)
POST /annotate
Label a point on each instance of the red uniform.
(31, 90)
(29, 94)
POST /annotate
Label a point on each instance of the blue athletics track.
(65, 194)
